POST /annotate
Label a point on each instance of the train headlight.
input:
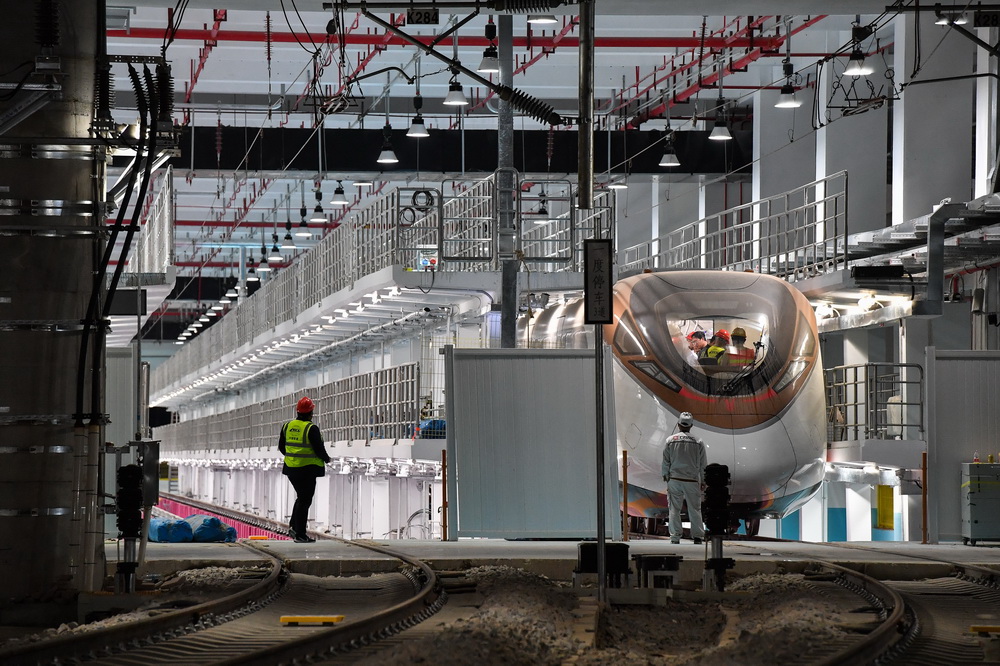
(653, 370)
(795, 369)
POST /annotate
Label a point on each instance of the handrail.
(794, 235)
(875, 401)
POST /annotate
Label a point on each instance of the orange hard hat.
(304, 406)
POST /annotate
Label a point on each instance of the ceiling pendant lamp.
(490, 63)
(541, 18)
(339, 198)
(388, 155)
(669, 158)
(455, 95)
(786, 99)
(720, 131)
(318, 215)
(856, 65)
(275, 255)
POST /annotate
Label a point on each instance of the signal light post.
(715, 513)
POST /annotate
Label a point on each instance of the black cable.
(304, 26)
(137, 209)
(284, 13)
(170, 34)
(17, 89)
(101, 269)
(14, 69)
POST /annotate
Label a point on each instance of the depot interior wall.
(963, 390)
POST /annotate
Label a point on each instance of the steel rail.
(344, 638)
(87, 645)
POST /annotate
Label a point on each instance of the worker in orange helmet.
(738, 353)
(305, 460)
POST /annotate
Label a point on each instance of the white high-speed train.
(760, 410)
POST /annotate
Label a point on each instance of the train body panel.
(759, 406)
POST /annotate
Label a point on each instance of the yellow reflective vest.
(298, 451)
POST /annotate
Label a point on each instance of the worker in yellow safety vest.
(305, 460)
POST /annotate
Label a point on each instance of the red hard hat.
(304, 406)
(722, 334)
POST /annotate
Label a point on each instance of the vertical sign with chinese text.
(597, 280)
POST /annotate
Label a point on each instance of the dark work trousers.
(303, 480)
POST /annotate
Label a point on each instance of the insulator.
(47, 24)
(536, 108)
(165, 91)
(151, 91)
(524, 6)
(267, 35)
(103, 92)
(140, 94)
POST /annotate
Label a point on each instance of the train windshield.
(721, 342)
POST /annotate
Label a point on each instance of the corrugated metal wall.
(522, 444)
(963, 417)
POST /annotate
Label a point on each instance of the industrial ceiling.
(283, 73)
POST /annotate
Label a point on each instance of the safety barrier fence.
(376, 405)
(875, 401)
(794, 235)
(154, 244)
(406, 227)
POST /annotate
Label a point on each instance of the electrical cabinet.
(980, 502)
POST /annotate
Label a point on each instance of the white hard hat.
(685, 420)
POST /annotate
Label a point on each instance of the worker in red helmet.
(305, 460)
(712, 353)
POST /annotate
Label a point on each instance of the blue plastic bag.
(169, 530)
(432, 429)
(209, 528)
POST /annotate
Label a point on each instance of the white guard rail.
(795, 235)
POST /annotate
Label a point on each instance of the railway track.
(921, 622)
(245, 627)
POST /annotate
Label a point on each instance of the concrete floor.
(558, 559)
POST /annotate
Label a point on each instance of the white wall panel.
(522, 444)
(963, 389)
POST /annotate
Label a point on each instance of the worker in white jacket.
(683, 469)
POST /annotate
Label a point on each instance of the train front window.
(714, 345)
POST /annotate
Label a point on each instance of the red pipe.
(657, 111)
(374, 39)
(210, 41)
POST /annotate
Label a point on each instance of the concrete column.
(932, 151)
(986, 113)
(858, 512)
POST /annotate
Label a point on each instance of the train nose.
(760, 464)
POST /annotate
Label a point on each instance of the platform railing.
(382, 404)
(874, 401)
(794, 235)
(154, 244)
(460, 230)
